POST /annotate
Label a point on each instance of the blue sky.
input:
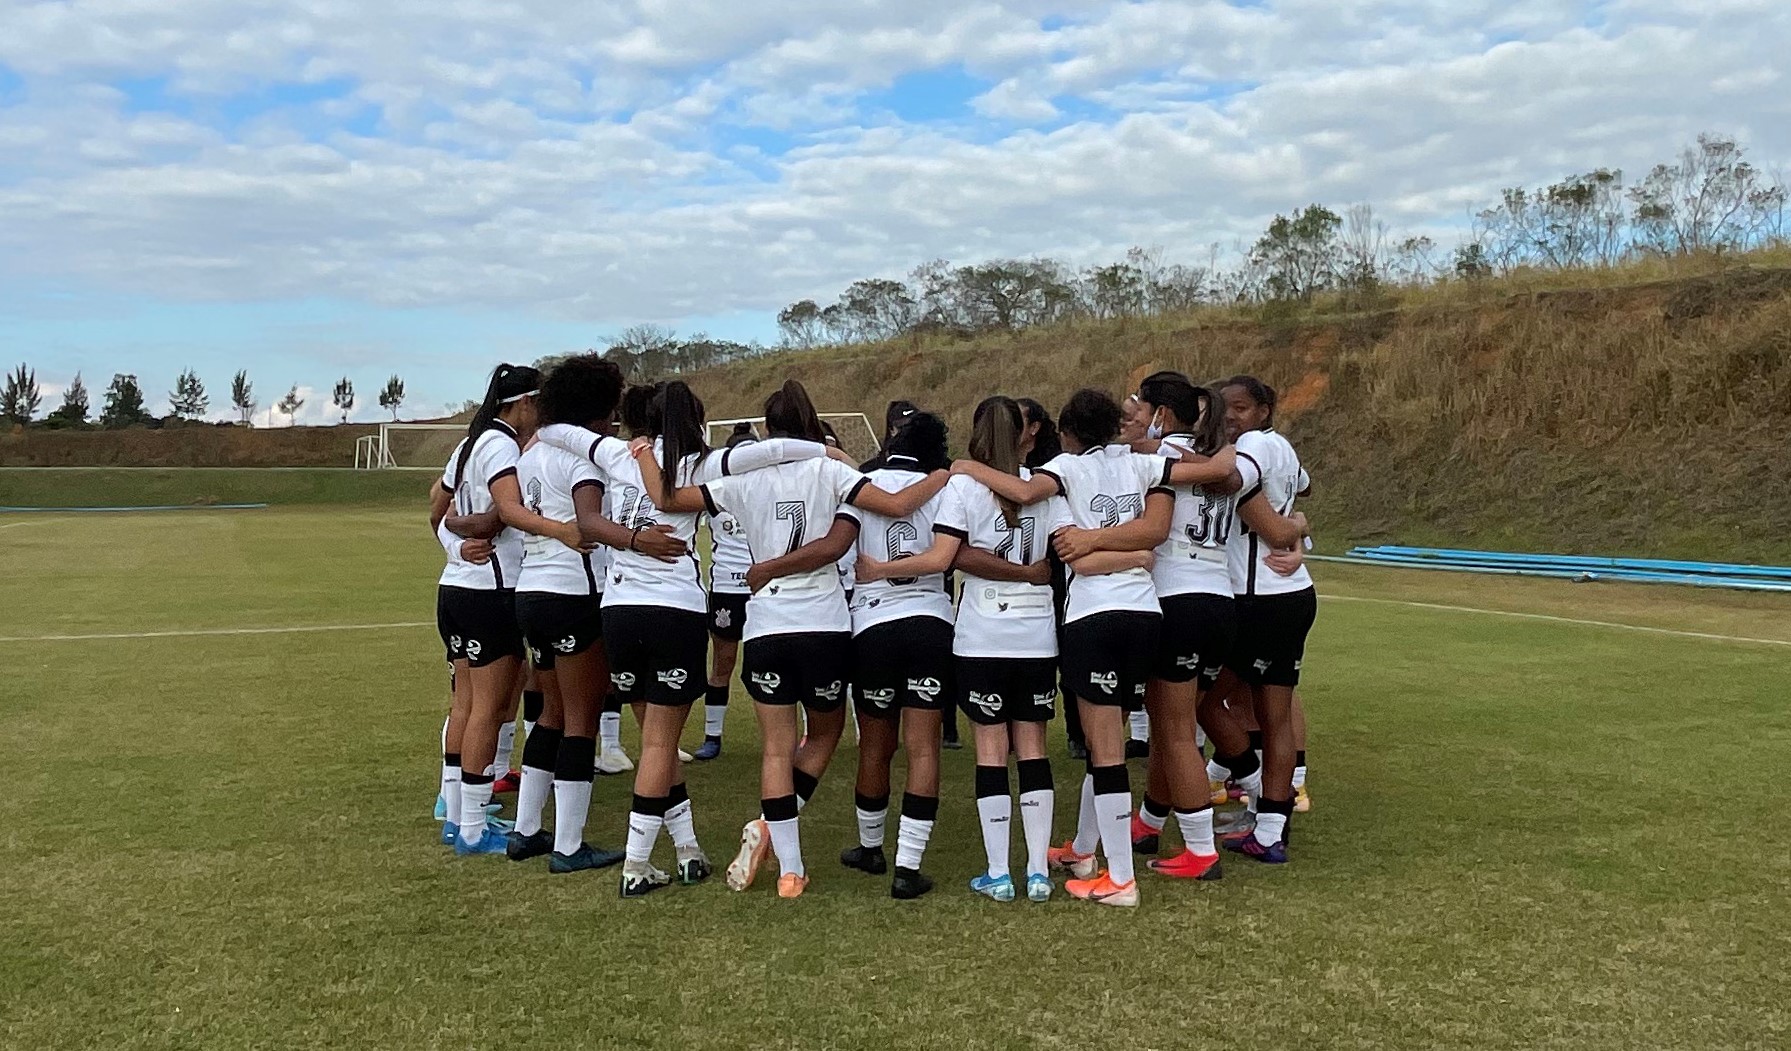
(426, 189)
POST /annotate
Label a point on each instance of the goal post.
(409, 446)
(856, 433)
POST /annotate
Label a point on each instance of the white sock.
(609, 730)
(1217, 772)
(870, 826)
(531, 797)
(1154, 822)
(1199, 736)
(506, 747)
(1140, 722)
(571, 807)
(1197, 830)
(1114, 810)
(472, 810)
(786, 840)
(1088, 829)
(643, 832)
(713, 717)
(997, 816)
(1270, 828)
(1299, 780)
(911, 841)
(451, 792)
(1035, 818)
(681, 825)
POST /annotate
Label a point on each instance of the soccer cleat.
(490, 841)
(521, 848)
(1081, 866)
(1188, 865)
(952, 743)
(790, 885)
(1104, 891)
(684, 757)
(693, 866)
(909, 884)
(1136, 749)
(441, 808)
(506, 784)
(710, 749)
(1145, 839)
(865, 859)
(1221, 794)
(1302, 801)
(1251, 847)
(1039, 887)
(642, 879)
(450, 832)
(995, 888)
(1233, 826)
(585, 857)
(755, 840)
(612, 760)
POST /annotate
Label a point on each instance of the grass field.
(1527, 833)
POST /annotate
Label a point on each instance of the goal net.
(856, 434)
(409, 446)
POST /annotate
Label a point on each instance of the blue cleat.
(441, 808)
(1250, 847)
(995, 888)
(711, 749)
(450, 831)
(490, 841)
(1039, 887)
(585, 857)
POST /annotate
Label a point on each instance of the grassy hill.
(1644, 418)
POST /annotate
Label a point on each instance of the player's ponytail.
(1046, 445)
(789, 413)
(680, 430)
(995, 432)
(1194, 408)
(509, 384)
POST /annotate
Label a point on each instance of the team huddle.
(1141, 559)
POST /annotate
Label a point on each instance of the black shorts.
(727, 614)
(657, 655)
(810, 668)
(1108, 656)
(997, 690)
(904, 663)
(477, 626)
(558, 625)
(1271, 641)
(1198, 632)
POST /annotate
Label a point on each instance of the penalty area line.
(1680, 632)
(208, 632)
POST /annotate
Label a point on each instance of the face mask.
(1155, 430)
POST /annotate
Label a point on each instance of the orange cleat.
(755, 841)
(1302, 801)
(1221, 794)
(1188, 865)
(790, 885)
(1082, 866)
(1103, 890)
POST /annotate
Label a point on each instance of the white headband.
(519, 397)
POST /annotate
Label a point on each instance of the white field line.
(206, 632)
(1711, 636)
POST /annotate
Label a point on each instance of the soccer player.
(1112, 621)
(729, 560)
(797, 647)
(1275, 613)
(902, 639)
(476, 605)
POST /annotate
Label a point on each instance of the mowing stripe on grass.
(1712, 636)
(199, 632)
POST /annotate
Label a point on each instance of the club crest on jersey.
(724, 617)
(829, 692)
(473, 648)
(990, 703)
(622, 680)
(928, 687)
(1106, 680)
(674, 677)
(880, 698)
(566, 645)
(767, 680)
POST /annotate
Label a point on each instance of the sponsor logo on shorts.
(990, 703)
(1261, 666)
(767, 680)
(622, 680)
(879, 698)
(829, 692)
(1191, 663)
(1044, 700)
(674, 677)
(566, 645)
(1106, 680)
(473, 648)
(724, 617)
(1213, 671)
(455, 643)
(928, 687)
(1138, 690)
(1297, 664)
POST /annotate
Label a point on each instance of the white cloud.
(621, 162)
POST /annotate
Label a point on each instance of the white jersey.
(1000, 618)
(1269, 466)
(1103, 488)
(1193, 560)
(729, 557)
(888, 539)
(550, 476)
(495, 454)
(783, 508)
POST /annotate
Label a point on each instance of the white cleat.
(755, 840)
(612, 760)
(685, 757)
